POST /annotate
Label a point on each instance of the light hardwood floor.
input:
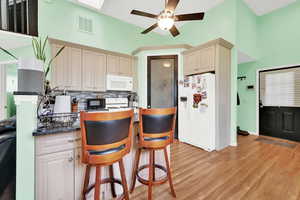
(253, 170)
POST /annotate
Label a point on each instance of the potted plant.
(33, 72)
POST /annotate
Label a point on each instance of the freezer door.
(197, 125)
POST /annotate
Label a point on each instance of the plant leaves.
(52, 59)
(8, 53)
(43, 49)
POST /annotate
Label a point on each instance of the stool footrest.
(154, 182)
(103, 181)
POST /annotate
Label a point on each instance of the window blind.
(280, 87)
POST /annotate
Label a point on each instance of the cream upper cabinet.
(135, 75)
(55, 178)
(75, 68)
(207, 57)
(191, 63)
(125, 66)
(94, 71)
(120, 66)
(200, 61)
(66, 69)
(60, 76)
(85, 69)
(113, 64)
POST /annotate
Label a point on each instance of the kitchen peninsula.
(59, 172)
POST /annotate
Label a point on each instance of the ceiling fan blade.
(174, 31)
(144, 14)
(150, 28)
(172, 4)
(189, 17)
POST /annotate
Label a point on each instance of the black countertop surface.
(47, 131)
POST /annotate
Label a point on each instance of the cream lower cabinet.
(55, 178)
(59, 171)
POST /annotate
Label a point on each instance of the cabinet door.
(207, 59)
(55, 176)
(88, 66)
(113, 65)
(100, 72)
(94, 71)
(125, 66)
(135, 75)
(60, 75)
(79, 174)
(191, 63)
(75, 56)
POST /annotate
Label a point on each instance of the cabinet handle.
(71, 159)
(78, 157)
(75, 140)
(196, 69)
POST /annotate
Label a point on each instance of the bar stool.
(156, 133)
(106, 139)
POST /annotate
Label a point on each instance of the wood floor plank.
(254, 170)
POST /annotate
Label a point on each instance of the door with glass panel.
(162, 82)
(279, 110)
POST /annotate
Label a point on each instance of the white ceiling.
(261, 7)
(244, 58)
(121, 9)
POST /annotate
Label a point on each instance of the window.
(97, 4)
(280, 87)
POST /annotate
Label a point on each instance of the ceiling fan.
(166, 19)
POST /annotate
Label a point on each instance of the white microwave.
(119, 83)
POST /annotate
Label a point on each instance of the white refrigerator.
(197, 121)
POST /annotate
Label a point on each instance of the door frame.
(258, 88)
(157, 57)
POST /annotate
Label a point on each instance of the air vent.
(85, 24)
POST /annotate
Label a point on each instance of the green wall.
(219, 21)
(59, 20)
(246, 28)
(278, 45)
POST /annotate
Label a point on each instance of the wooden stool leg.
(97, 183)
(135, 169)
(169, 172)
(124, 182)
(86, 181)
(151, 168)
(153, 165)
(112, 185)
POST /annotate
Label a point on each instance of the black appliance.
(96, 104)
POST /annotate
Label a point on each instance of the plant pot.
(31, 75)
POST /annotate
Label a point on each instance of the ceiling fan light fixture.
(166, 20)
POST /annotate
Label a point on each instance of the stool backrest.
(156, 124)
(104, 131)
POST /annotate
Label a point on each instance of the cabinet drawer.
(59, 142)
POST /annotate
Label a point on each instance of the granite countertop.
(47, 131)
(52, 131)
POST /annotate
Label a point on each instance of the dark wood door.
(281, 122)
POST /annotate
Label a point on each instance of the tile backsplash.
(82, 96)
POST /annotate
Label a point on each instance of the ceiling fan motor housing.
(166, 19)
